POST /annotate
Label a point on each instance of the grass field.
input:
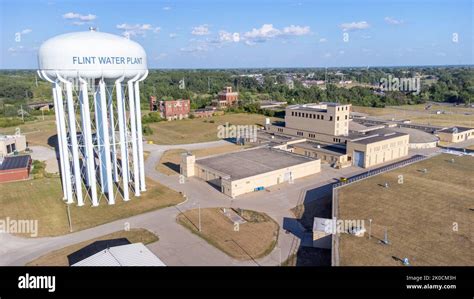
(198, 129)
(41, 200)
(428, 217)
(59, 257)
(37, 132)
(255, 238)
(417, 114)
(170, 160)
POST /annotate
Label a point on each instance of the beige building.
(324, 134)
(11, 143)
(325, 118)
(455, 134)
(379, 147)
(250, 170)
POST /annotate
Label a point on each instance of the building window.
(338, 118)
(318, 116)
(322, 117)
(346, 116)
(330, 118)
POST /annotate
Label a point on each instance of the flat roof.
(453, 129)
(330, 149)
(380, 135)
(252, 162)
(416, 136)
(15, 162)
(135, 254)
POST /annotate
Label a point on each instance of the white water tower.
(95, 80)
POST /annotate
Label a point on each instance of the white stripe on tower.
(139, 131)
(133, 128)
(123, 138)
(105, 131)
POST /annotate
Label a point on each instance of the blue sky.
(231, 34)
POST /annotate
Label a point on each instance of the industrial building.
(249, 170)
(175, 109)
(324, 133)
(226, 98)
(455, 134)
(14, 168)
(9, 144)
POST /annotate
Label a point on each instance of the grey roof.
(452, 129)
(333, 150)
(15, 162)
(376, 136)
(252, 162)
(416, 136)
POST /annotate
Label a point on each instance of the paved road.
(177, 246)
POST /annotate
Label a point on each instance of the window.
(346, 116)
(322, 117)
(299, 133)
(318, 116)
(330, 118)
(338, 118)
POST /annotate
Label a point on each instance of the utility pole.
(199, 208)
(22, 117)
(69, 218)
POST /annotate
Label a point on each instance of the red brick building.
(15, 168)
(176, 109)
(226, 98)
(153, 104)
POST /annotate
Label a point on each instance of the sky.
(252, 34)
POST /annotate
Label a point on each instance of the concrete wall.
(459, 137)
(272, 178)
(334, 120)
(309, 135)
(381, 151)
(320, 154)
(18, 140)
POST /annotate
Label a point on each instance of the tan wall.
(380, 152)
(459, 137)
(187, 166)
(18, 140)
(334, 121)
(319, 154)
(268, 179)
(246, 185)
(310, 135)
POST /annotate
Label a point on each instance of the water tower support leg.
(133, 128)
(64, 144)
(140, 137)
(105, 135)
(60, 142)
(123, 141)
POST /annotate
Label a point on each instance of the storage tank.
(95, 80)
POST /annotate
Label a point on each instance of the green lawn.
(41, 199)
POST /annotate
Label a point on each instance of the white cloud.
(76, 16)
(263, 33)
(201, 30)
(192, 49)
(26, 31)
(341, 52)
(296, 30)
(327, 55)
(137, 29)
(323, 40)
(173, 35)
(354, 26)
(167, 8)
(267, 31)
(225, 36)
(392, 21)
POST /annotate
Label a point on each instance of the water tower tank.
(95, 80)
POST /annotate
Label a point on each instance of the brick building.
(226, 98)
(15, 168)
(175, 109)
